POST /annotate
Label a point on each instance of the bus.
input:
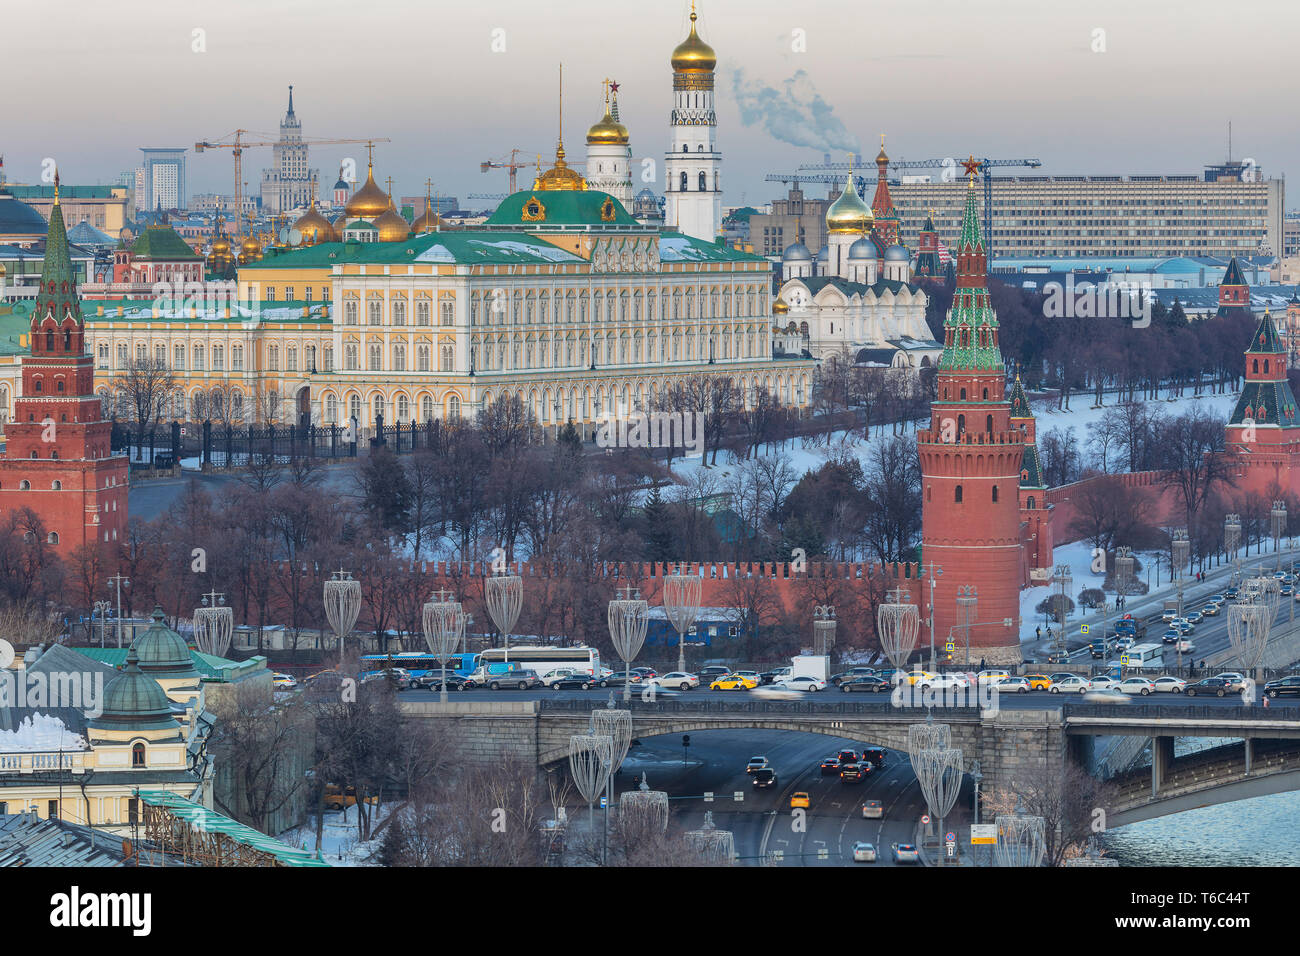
(419, 663)
(1141, 656)
(543, 660)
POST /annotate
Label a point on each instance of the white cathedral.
(857, 293)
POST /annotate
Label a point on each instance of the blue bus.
(419, 663)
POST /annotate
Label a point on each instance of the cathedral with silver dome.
(857, 293)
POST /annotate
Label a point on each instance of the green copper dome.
(162, 652)
(134, 700)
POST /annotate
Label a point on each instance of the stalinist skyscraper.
(287, 185)
(692, 164)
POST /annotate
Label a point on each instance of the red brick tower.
(886, 223)
(1036, 528)
(1263, 439)
(971, 460)
(57, 457)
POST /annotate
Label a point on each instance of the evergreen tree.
(385, 489)
(658, 532)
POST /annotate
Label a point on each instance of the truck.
(810, 665)
(1143, 657)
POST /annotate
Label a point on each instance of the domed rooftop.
(863, 248)
(19, 219)
(391, 226)
(162, 652)
(824, 255)
(897, 254)
(134, 701)
(607, 131)
(780, 308)
(849, 213)
(369, 201)
(796, 252)
(693, 55)
(430, 221)
(314, 228)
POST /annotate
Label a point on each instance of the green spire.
(1266, 339)
(970, 329)
(58, 294)
(970, 224)
(1019, 403)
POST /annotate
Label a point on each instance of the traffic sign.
(1083, 628)
(951, 836)
(602, 803)
(738, 796)
(925, 819)
(951, 647)
(983, 834)
(708, 796)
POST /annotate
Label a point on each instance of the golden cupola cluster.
(561, 176)
(314, 228)
(849, 214)
(390, 224)
(368, 202)
(693, 55)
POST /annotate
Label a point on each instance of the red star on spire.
(971, 166)
(613, 87)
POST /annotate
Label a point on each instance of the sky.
(1102, 87)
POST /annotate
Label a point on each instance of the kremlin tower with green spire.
(972, 459)
(58, 459)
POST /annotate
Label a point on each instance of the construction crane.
(239, 144)
(831, 173)
(509, 163)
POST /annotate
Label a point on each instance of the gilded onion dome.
(390, 224)
(780, 308)
(250, 250)
(429, 222)
(368, 202)
(849, 214)
(314, 228)
(693, 55)
(608, 131)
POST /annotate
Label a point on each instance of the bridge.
(1009, 743)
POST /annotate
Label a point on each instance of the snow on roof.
(41, 733)
(542, 250)
(436, 253)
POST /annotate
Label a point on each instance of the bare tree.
(143, 388)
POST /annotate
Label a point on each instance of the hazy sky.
(90, 82)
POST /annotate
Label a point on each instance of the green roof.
(208, 666)
(210, 821)
(14, 323)
(466, 248)
(162, 242)
(1019, 404)
(562, 208)
(970, 340)
(1033, 477)
(1266, 403)
(678, 247)
(1266, 340)
(1232, 275)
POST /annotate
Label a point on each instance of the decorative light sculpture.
(712, 844)
(1248, 630)
(1123, 570)
(1064, 576)
(1277, 519)
(682, 606)
(1232, 543)
(1021, 840)
(213, 625)
(1180, 550)
(939, 772)
(644, 804)
(342, 604)
(505, 598)
(823, 629)
(617, 725)
(590, 759)
(628, 619)
(927, 735)
(898, 624)
(444, 627)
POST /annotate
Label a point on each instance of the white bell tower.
(692, 164)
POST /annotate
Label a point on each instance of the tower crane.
(511, 163)
(832, 173)
(238, 144)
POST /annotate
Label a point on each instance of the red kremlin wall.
(1166, 503)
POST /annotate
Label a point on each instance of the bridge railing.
(724, 707)
(1183, 711)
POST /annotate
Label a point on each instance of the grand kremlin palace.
(561, 298)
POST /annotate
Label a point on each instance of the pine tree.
(658, 533)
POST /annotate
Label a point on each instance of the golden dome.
(560, 176)
(607, 132)
(429, 222)
(693, 55)
(391, 226)
(780, 308)
(250, 247)
(220, 245)
(314, 228)
(367, 202)
(849, 214)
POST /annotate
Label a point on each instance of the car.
(991, 676)
(1071, 684)
(1039, 681)
(1194, 617)
(283, 682)
(1219, 599)
(1279, 575)
(865, 685)
(619, 678)
(1287, 590)
(1168, 614)
(1212, 610)
(914, 677)
(892, 674)
(576, 681)
(802, 682)
(854, 772)
(799, 799)
(1170, 636)
(1124, 643)
(848, 756)
(1209, 685)
(1237, 680)
(734, 682)
(336, 797)
(1102, 682)
(852, 673)
(1183, 626)
(872, 809)
(905, 853)
(752, 675)
(769, 676)
(676, 679)
(1060, 675)
(874, 755)
(649, 673)
(1283, 685)
(764, 777)
(1137, 685)
(558, 673)
(831, 765)
(864, 852)
(432, 680)
(710, 672)
(944, 682)
(517, 680)
(755, 763)
(1231, 593)
(1016, 685)
(1184, 646)
(1058, 657)
(1106, 695)
(1169, 685)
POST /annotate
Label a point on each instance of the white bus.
(543, 660)
(1143, 656)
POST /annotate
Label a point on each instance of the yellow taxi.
(1039, 681)
(799, 799)
(914, 677)
(734, 682)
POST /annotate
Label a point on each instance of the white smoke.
(795, 114)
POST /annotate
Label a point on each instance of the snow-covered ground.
(339, 843)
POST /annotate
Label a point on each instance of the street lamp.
(897, 626)
(823, 629)
(103, 607)
(591, 758)
(933, 572)
(1065, 578)
(682, 606)
(968, 602)
(342, 605)
(628, 619)
(1180, 550)
(617, 725)
(504, 594)
(939, 771)
(1232, 543)
(213, 624)
(444, 627)
(119, 582)
(1278, 521)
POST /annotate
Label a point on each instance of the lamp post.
(504, 594)
(1180, 553)
(968, 602)
(939, 771)
(617, 725)
(897, 626)
(976, 778)
(103, 607)
(628, 621)
(1232, 543)
(214, 623)
(1064, 576)
(823, 629)
(119, 582)
(1278, 521)
(444, 627)
(934, 572)
(682, 606)
(342, 605)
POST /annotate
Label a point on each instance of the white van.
(1144, 656)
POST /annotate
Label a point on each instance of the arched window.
(1031, 501)
(56, 485)
(331, 409)
(354, 406)
(986, 394)
(957, 495)
(963, 394)
(453, 408)
(703, 185)
(426, 408)
(1255, 365)
(988, 424)
(25, 485)
(52, 537)
(995, 494)
(685, 181)
(49, 340)
(137, 755)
